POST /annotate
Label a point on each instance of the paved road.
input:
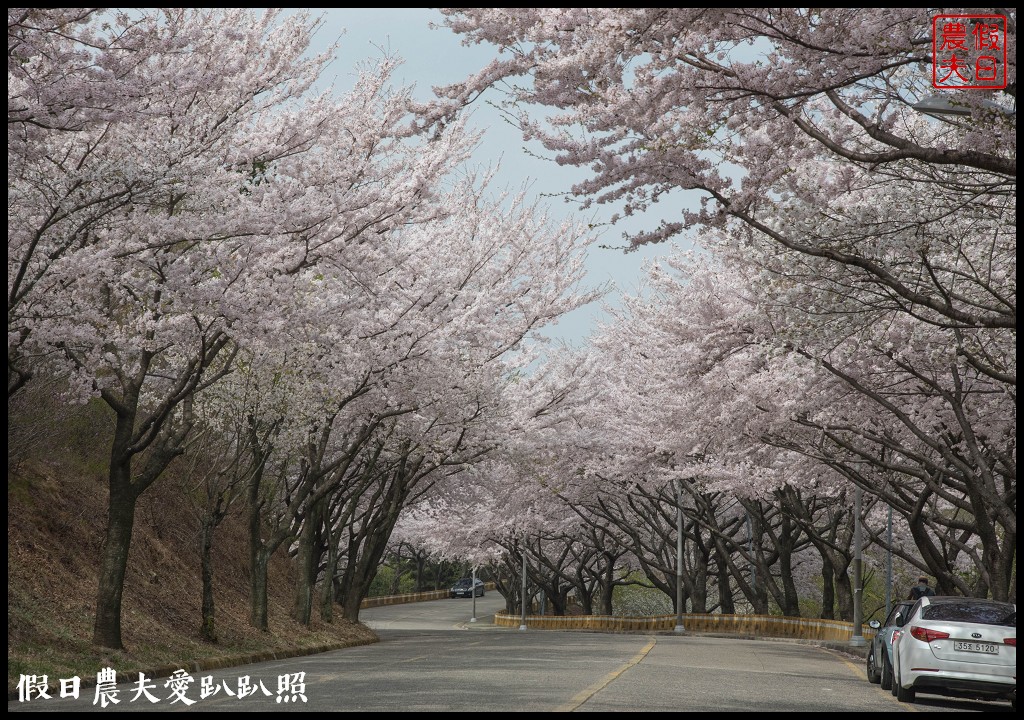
(431, 658)
(438, 616)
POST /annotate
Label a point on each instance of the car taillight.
(927, 635)
(1010, 641)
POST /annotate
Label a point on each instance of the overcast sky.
(435, 56)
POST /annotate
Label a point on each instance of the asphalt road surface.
(432, 658)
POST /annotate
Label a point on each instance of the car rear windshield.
(984, 613)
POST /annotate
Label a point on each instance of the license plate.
(989, 648)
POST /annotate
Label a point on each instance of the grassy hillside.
(56, 517)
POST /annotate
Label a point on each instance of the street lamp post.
(750, 557)
(522, 619)
(888, 564)
(679, 629)
(473, 593)
(857, 640)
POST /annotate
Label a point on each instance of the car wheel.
(905, 695)
(873, 676)
(886, 678)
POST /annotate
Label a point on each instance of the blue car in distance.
(879, 667)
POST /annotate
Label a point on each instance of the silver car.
(879, 665)
(963, 647)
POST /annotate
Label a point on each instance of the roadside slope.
(56, 516)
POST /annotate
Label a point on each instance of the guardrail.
(757, 625)
(774, 626)
(380, 600)
(588, 622)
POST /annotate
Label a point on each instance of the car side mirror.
(874, 624)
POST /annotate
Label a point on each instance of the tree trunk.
(124, 491)
(327, 589)
(1005, 587)
(420, 563)
(366, 548)
(790, 599)
(351, 605)
(361, 575)
(756, 590)
(756, 593)
(396, 576)
(828, 591)
(556, 596)
(305, 565)
(207, 629)
(259, 558)
(699, 596)
(114, 560)
(606, 585)
(725, 599)
(586, 601)
(844, 592)
(507, 585)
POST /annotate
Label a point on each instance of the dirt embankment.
(56, 517)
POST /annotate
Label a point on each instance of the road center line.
(584, 695)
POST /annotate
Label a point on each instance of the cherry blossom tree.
(383, 387)
(101, 107)
(768, 387)
(218, 467)
(245, 189)
(655, 100)
(802, 378)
